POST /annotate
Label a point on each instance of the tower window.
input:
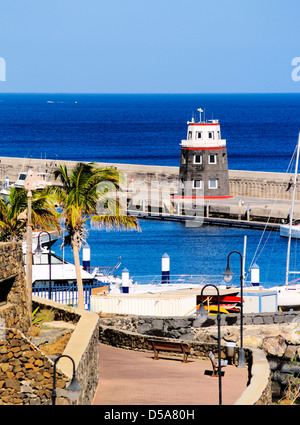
(190, 135)
(198, 134)
(211, 135)
(198, 159)
(213, 183)
(197, 184)
(212, 159)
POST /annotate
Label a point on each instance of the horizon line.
(149, 93)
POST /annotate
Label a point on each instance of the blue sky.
(149, 46)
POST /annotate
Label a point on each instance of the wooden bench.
(174, 346)
(215, 363)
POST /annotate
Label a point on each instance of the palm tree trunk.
(78, 276)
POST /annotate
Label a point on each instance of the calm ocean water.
(261, 132)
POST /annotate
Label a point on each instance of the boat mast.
(291, 215)
(244, 255)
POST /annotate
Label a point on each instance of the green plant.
(36, 319)
(43, 315)
(13, 213)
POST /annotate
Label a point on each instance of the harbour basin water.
(193, 250)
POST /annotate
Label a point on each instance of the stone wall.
(26, 374)
(181, 327)
(82, 346)
(15, 312)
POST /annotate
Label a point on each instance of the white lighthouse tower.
(203, 168)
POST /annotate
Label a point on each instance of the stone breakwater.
(242, 183)
(149, 189)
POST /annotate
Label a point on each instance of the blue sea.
(261, 132)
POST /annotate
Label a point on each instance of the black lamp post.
(38, 252)
(202, 314)
(73, 388)
(228, 275)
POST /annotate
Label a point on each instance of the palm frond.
(89, 192)
(112, 222)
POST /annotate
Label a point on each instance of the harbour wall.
(268, 185)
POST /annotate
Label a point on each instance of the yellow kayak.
(213, 309)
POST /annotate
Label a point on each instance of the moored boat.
(288, 294)
(285, 229)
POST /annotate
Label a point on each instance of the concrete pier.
(257, 197)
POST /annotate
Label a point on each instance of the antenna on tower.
(200, 110)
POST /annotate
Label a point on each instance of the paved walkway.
(133, 378)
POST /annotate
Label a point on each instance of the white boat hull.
(288, 296)
(295, 232)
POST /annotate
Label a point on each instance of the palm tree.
(13, 213)
(79, 198)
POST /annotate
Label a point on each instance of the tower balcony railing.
(211, 143)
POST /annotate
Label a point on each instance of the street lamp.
(202, 314)
(228, 275)
(73, 388)
(31, 183)
(38, 253)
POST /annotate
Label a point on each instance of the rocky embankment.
(281, 344)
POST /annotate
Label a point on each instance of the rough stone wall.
(83, 346)
(26, 375)
(87, 371)
(180, 327)
(136, 341)
(15, 313)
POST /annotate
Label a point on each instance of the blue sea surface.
(261, 132)
(261, 129)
